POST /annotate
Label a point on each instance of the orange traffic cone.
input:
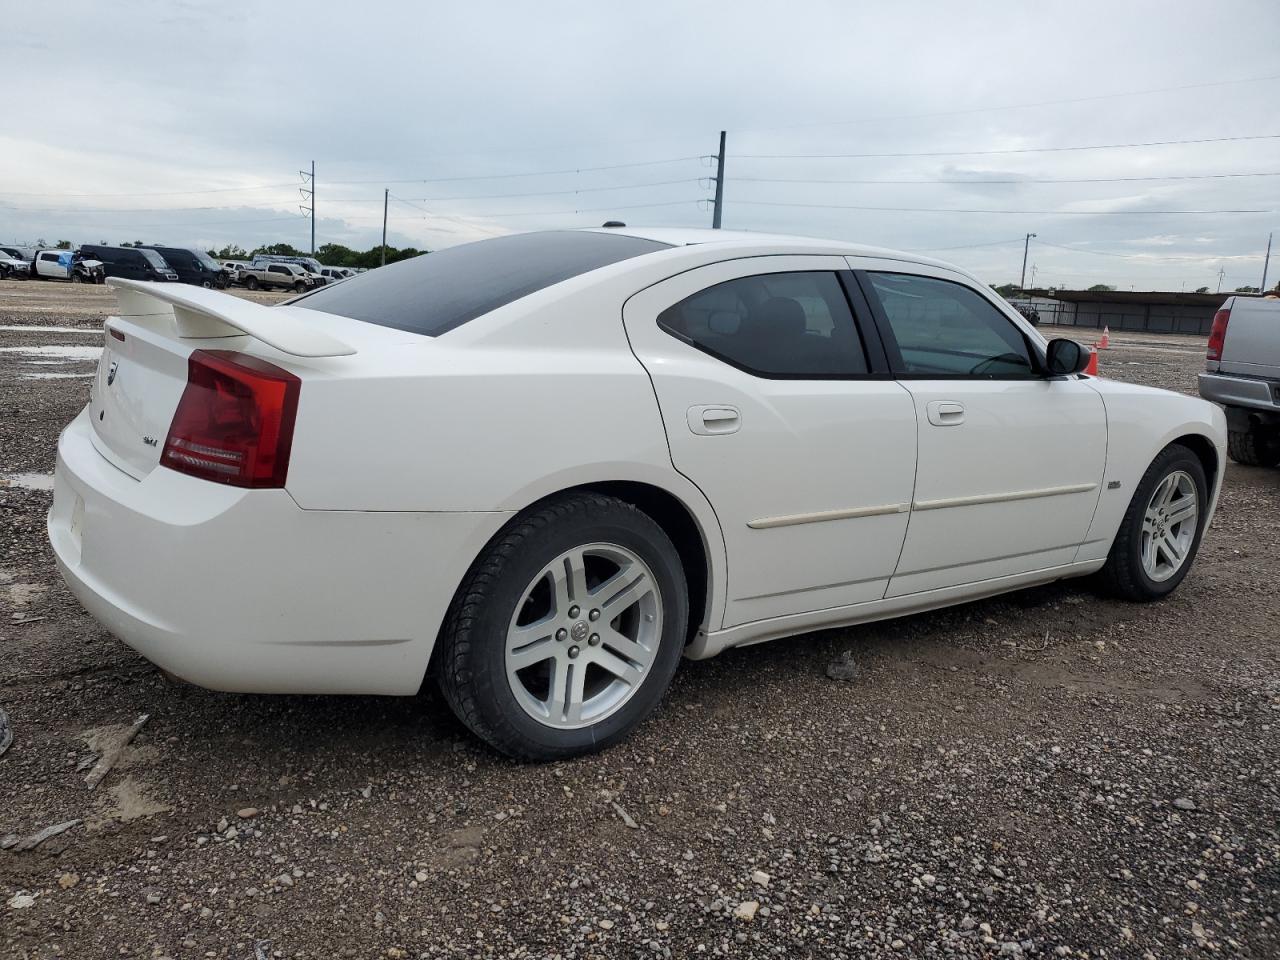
(1106, 338)
(1092, 368)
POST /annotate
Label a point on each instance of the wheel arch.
(692, 528)
(1206, 453)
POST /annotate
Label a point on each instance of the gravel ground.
(1048, 773)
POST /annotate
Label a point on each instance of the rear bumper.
(242, 590)
(1255, 393)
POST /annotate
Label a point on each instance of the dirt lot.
(1048, 773)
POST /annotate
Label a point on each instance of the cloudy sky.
(187, 123)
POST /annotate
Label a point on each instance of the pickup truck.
(66, 265)
(268, 275)
(15, 263)
(1242, 372)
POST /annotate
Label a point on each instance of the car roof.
(688, 236)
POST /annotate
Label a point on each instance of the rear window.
(436, 292)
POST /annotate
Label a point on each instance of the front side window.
(945, 329)
(773, 325)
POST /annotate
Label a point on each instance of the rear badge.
(149, 441)
(111, 373)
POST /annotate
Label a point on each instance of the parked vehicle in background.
(233, 268)
(310, 265)
(1030, 312)
(277, 276)
(550, 465)
(334, 274)
(194, 266)
(1242, 372)
(131, 263)
(15, 262)
(73, 265)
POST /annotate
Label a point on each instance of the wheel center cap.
(579, 630)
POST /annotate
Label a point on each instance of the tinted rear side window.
(436, 292)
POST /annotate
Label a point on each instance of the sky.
(189, 123)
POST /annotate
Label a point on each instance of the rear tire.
(1254, 447)
(514, 608)
(251, 283)
(1151, 531)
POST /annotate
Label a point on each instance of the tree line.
(329, 254)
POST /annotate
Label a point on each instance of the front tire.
(76, 278)
(567, 630)
(1160, 533)
(1255, 447)
(299, 287)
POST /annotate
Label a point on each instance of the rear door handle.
(945, 413)
(711, 419)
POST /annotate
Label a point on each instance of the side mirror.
(1065, 357)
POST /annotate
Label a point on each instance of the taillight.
(234, 423)
(1217, 334)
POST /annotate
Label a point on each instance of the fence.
(1144, 317)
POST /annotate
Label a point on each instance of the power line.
(1019, 106)
(1065, 213)
(555, 193)
(971, 181)
(169, 193)
(1143, 256)
(550, 213)
(534, 173)
(988, 153)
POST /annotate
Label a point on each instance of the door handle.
(712, 419)
(945, 413)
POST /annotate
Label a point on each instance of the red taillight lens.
(1217, 334)
(234, 423)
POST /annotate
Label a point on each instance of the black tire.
(207, 284)
(1254, 447)
(1124, 575)
(251, 283)
(472, 648)
(299, 287)
(76, 278)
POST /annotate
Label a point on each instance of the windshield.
(208, 261)
(155, 259)
(433, 293)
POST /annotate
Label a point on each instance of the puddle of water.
(36, 328)
(28, 481)
(69, 354)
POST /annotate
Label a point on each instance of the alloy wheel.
(1169, 525)
(584, 635)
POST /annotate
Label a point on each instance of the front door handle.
(712, 419)
(945, 413)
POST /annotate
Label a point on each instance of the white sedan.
(543, 467)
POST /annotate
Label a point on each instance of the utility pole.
(1034, 268)
(309, 194)
(386, 195)
(1266, 261)
(1026, 246)
(718, 209)
(1221, 273)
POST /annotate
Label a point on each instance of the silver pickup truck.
(1242, 372)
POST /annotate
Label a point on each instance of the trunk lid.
(143, 370)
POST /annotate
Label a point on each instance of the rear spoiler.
(200, 313)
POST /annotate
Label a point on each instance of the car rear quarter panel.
(1142, 421)
(540, 396)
